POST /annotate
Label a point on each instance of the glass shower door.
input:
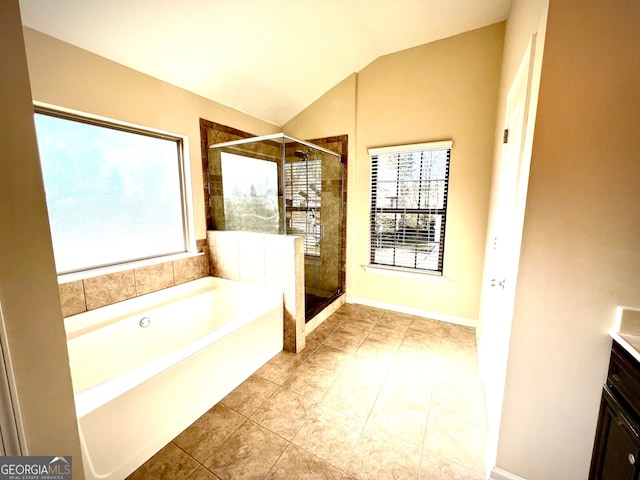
(313, 192)
(328, 269)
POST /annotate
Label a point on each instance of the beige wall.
(580, 255)
(64, 75)
(28, 288)
(443, 90)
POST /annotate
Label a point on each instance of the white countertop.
(627, 330)
(631, 343)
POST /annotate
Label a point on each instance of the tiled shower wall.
(274, 261)
(95, 292)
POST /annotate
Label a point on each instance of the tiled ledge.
(95, 292)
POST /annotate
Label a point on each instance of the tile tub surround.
(95, 292)
(274, 261)
(374, 395)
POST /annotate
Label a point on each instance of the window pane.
(250, 188)
(112, 196)
(407, 240)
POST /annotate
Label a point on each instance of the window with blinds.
(409, 186)
(303, 185)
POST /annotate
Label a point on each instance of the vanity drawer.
(624, 377)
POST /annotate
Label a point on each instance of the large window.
(409, 186)
(114, 193)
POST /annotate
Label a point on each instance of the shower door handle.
(321, 232)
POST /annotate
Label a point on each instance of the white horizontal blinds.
(409, 205)
(303, 184)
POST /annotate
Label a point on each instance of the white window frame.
(375, 210)
(185, 188)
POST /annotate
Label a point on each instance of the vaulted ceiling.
(268, 58)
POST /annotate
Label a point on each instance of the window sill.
(95, 272)
(405, 273)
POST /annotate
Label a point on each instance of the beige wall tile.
(227, 263)
(251, 258)
(154, 277)
(108, 289)
(72, 298)
(189, 269)
(226, 239)
(224, 254)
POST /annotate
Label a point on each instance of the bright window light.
(114, 194)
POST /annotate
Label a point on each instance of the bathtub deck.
(374, 394)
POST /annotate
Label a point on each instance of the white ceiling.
(268, 58)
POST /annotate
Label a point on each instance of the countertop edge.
(624, 344)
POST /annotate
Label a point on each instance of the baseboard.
(499, 474)
(467, 322)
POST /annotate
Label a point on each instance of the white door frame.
(498, 294)
(10, 425)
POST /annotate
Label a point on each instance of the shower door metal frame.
(284, 139)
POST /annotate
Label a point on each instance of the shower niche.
(277, 184)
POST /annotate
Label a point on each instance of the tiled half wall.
(95, 292)
(275, 261)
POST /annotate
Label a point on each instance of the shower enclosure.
(280, 185)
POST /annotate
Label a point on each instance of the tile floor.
(374, 395)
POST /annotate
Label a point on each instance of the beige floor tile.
(459, 333)
(405, 420)
(365, 370)
(406, 385)
(456, 401)
(249, 453)
(209, 431)
(434, 467)
(427, 325)
(311, 381)
(280, 367)
(399, 321)
(284, 413)
(328, 357)
(345, 339)
(359, 326)
(203, 474)
(379, 456)
(361, 313)
(170, 463)
(249, 395)
(421, 360)
(327, 327)
(330, 435)
(388, 332)
(295, 463)
(354, 398)
(461, 442)
(421, 340)
(457, 362)
(378, 351)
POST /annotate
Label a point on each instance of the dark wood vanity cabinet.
(616, 450)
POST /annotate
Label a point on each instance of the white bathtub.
(137, 387)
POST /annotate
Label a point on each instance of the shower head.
(302, 155)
